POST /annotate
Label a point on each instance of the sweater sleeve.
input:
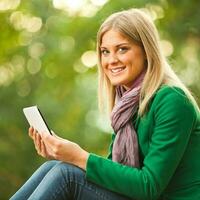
(174, 118)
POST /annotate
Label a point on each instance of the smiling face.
(121, 59)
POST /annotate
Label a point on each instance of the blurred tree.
(47, 58)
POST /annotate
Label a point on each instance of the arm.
(174, 120)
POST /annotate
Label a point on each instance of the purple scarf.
(125, 146)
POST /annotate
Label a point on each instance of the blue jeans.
(56, 180)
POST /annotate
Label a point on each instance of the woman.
(155, 148)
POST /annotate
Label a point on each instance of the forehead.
(113, 37)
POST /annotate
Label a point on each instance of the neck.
(135, 83)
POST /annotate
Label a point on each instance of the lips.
(117, 70)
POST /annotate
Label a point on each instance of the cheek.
(103, 66)
(137, 60)
(140, 57)
(124, 58)
(103, 63)
(128, 58)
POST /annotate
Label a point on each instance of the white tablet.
(35, 119)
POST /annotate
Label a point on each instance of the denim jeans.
(56, 180)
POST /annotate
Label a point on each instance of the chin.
(117, 83)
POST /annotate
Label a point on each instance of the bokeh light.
(33, 65)
(79, 7)
(6, 75)
(23, 88)
(51, 71)
(155, 11)
(9, 4)
(25, 38)
(167, 47)
(191, 73)
(36, 50)
(79, 67)
(89, 58)
(22, 21)
(67, 43)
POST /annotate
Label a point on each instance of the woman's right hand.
(40, 147)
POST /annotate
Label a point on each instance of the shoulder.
(166, 90)
(171, 94)
(172, 101)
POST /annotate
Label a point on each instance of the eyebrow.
(118, 45)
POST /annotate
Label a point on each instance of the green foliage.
(43, 66)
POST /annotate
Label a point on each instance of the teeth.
(117, 69)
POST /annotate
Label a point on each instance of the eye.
(123, 49)
(104, 52)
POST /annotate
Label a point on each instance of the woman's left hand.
(65, 150)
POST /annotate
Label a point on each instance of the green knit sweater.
(169, 146)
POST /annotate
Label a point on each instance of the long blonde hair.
(138, 26)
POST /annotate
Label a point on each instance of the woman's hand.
(60, 149)
(40, 147)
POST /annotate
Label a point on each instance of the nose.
(113, 59)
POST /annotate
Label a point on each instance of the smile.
(117, 70)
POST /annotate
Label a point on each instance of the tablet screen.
(35, 119)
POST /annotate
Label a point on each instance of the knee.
(50, 163)
(62, 166)
(69, 170)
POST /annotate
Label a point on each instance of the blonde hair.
(139, 27)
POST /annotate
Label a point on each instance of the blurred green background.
(47, 58)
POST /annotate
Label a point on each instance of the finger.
(30, 131)
(49, 139)
(43, 150)
(35, 139)
(34, 136)
(53, 144)
(38, 142)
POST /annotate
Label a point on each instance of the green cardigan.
(169, 145)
